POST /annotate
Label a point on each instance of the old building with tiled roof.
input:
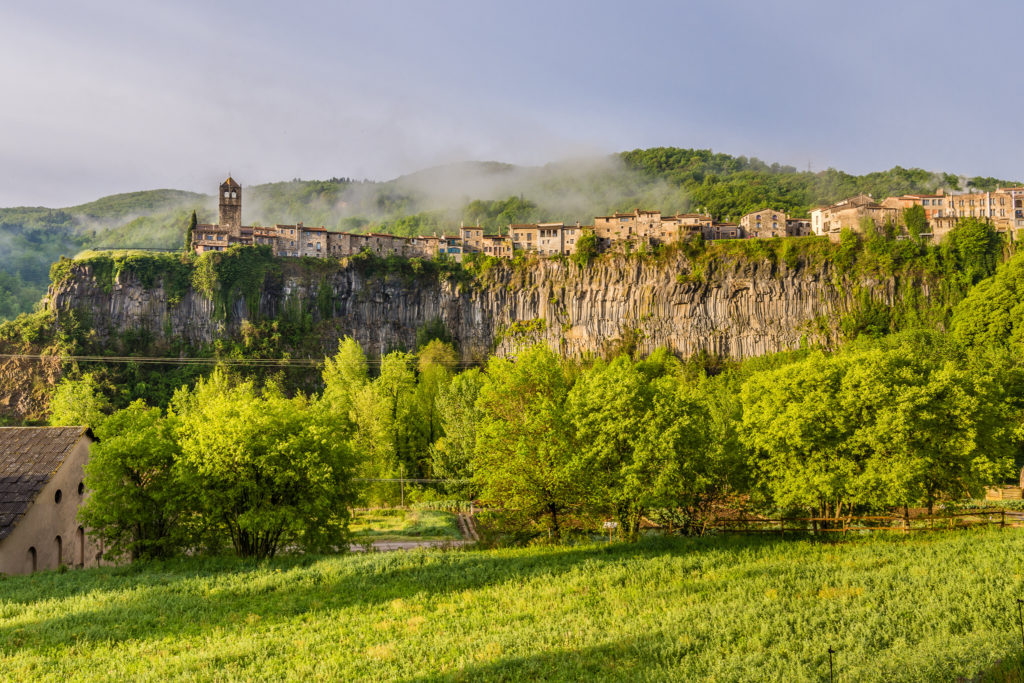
(41, 488)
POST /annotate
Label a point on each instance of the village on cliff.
(1004, 208)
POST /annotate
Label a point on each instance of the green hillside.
(437, 199)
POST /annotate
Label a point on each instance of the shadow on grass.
(194, 596)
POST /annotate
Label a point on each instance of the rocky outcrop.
(736, 308)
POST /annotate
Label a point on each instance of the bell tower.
(231, 206)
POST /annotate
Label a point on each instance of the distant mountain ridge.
(489, 193)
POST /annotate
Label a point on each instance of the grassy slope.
(924, 608)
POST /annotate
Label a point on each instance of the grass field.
(923, 608)
(396, 524)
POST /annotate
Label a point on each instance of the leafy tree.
(79, 402)
(872, 428)
(975, 247)
(136, 504)
(451, 455)
(523, 451)
(190, 232)
(274, 471)
(915, 220)
(344, 376)
(641, 444)
(435, 362)
(991, 316)
(586, 248)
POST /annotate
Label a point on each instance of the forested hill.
(434, 200)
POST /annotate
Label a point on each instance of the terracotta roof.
(29, 457)
(522, 225)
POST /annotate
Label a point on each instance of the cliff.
(736, 307)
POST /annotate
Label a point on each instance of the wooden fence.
(863, 524)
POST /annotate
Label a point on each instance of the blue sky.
(111, 96)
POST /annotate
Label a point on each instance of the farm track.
(467, 527)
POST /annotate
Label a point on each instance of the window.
(81, 487)
(81, 546)
(32, 557)
(234, 195)
(57, 496)
(226, 194)
(60, 550)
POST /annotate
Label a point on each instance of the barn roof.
(29, 457)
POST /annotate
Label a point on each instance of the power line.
(192, 360)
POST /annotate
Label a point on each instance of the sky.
(113, 96)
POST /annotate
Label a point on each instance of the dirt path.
(467, 527)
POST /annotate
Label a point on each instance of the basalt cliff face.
(734, 308)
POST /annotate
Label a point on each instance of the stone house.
(764, 223)
(849, 213)
(41, 490)
(798, 227)
(722, 231)
(525, 236)
(622, 227)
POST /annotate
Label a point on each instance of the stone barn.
(41, 489)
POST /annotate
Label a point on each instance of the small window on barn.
(32, 557)
(57, 496)
(60, 550)
(81, 487)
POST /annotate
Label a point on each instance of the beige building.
(525, 236)
(849, 213)
(764, 223)
(625, 227)
(41, 489)
(1004, 207)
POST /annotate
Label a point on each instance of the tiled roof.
(29, 456)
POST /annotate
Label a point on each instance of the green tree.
(586, 248)
(136, 504)
(344, 376)
(276, 472)
(451, 455)
(991, 316)
(523, 445)
(976, 248)
(190, 232)
(79, 402)
(915, 220)
(641, 444)
(872, 428)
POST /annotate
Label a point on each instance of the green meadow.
(894, 608)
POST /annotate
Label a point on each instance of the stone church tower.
(231, 206)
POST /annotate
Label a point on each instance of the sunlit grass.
(922, 608)
(404, 525)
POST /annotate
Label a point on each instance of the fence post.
(1002, 519)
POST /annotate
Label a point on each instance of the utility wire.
(191, 360)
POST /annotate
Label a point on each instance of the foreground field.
(924, 608)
